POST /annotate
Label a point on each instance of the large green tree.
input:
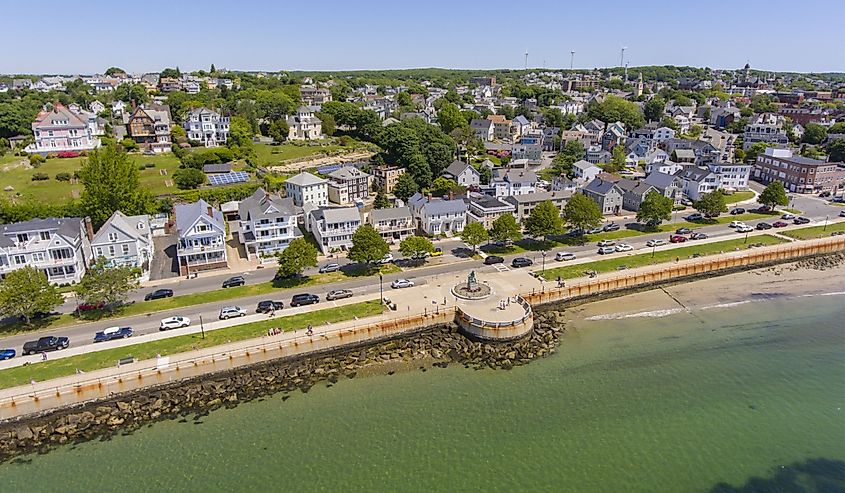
(654, 108)
(449, 117)
(505, 228)
(572, 152)
(544, 221)
(106, 284)
(405, 187)
(655, 208)
(26, 292)
(582, 212)
(188, 178)
(416, 246)
(836, 151)
(298, 256)
(111, 182)
(711, 204)
(773, 195)
(615, 109)
(474, 234)
(381, 200)
(814, 134)
(367, 245)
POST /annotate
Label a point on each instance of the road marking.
(501, 267)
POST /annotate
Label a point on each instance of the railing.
(484, 324)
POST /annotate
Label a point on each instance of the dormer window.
(140, 225)
(112, 237)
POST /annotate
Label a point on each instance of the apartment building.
(525, 203)
(267, 224)
(58, 246)
(306, 188)
(201, 243)
(393, 224)
(354, 182)
(386, 176)
(797, 173)
(436, 216)
(59, 129)
(333, 228)
(304, 125)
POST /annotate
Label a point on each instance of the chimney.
(132, 103)
(451, 195)
(429, 197)
(89, 228)
(210, 212)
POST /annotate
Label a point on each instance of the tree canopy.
(582, 212)
(505, 228)
(711, 204)
(405, 187)
(814, 134)
(544, 221)
(106, 284)
(615, 109)
(367, 245)
(416, 246)
(25, 292)
(298, 256)
(773, 195)
(655, 208)
(474, 234)
(111, 183)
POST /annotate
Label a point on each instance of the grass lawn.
(643, 259)
(102, 359)
(814, 231)
(738, 197)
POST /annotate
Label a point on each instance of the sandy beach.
(754, 286)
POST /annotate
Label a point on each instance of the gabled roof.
(127, 225)
(440, 206)
(693, 173)
(517, 176)
(542, 196)
(660, 180)
(601, 187)
(348, 173)
(57, 114)
(263, 204)
(188, 214)
(521, 120)
(583, 165)
(390, 213)
(337, 215)
(67, 227)
(458, 167)
(305, 179)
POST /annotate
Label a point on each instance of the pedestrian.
(310, 330)
(444, 301)
(43, 356)
(269, 332)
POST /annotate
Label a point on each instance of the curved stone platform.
(514, 322)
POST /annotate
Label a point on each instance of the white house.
(662, 134)
(463, 173)
(58, 246)
(697, 181)
(509, 182)
(436, 216)
(306, 188)
(267, 223)
(667, 167)
(207, 126)
(125, 241)
(333, 228)
(393, 224)
(202, 237)
(585, 171)
(732, 176)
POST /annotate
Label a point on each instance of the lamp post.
(202, 327)
(653, 247)
(544, 253)
(381, 288)
(825, 223)
(746, 236)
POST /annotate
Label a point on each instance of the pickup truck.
(49, 343)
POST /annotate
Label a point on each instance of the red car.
(677, 239)
(87, 307)
(779, 224)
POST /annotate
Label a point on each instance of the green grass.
(103, 359)
(738, 197)
(814, 232)
(643, 259)
(791, 211)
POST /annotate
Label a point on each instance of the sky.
(57, 36)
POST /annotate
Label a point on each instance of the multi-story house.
(436, 216)
(503, 128)
(797, 173)
(60, 129)
(613, 136)
(606, 194)
(333, 228)
(697, 181)
(667, 184)
(314, 96)
(634, 193)
(393, 224)
(306, 188)
(207, 126)
(524, 204)
(150, 128)
(585, 171)
(202, 237)
(732, 176)
(169, 84)
(770, 133)
(464, 174)
(304, 125)
(125, 241)
(58, 246)
(386, 176)
(482, 128)
(485, 209)
(267, 223)
(507, 182)
(354, 182)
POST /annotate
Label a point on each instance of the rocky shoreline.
(437, 346)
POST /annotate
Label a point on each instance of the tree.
(814, 134)
(106, 284)
(240, 132)
(774, 194)
(442, 186)
(486, 175)
(655, 208)
(278, 130)
(711, 204)
(572, 151)
(416, 246)
(653, 109)
(298, 256)
(505, 228)
(111, 183)
(836, 151)
(615, 109)
(188, 178)
(381, 201)
(544, 220)
(24, 293)
(617, 160)
(837, 128)
(449, 117)
(405, 187)
(367, 245)
(112, 71)
(582, 212)
(755, 149)
(474, 234)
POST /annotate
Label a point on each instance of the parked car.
(736, 224)
(606, 243)
(677, 239)
(521, 262)
(44, 344)
(839, 199)
(113, 333)
(159, 294)
(801, 220)
(338, 294)
(744, 229)
(698, 236)
(401, 283)
(825, 194)
(686, 202)
(268, 306)
(329, 268)
(763, 226)
(594, 231)
(624, 247)
(788, 217)
(228, 312)
(7, 354)
(437, 252)
(386, 259)
(842, 213)
(493, 259)
(779, 224)
(606, 250)
(611, 227)
(737, 210)
(683, 231)
(304, 299)
(87, 307)
(695, 216)
(174, 323)
(562, 256)
(655, 243)
(763, 209)
(234, 281)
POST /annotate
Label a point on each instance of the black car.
(304, 299)
(737, 210)
(234, 281)
(268, 306)
(493, 259)
(113, 333)
(762, 226)
(801, 220)
(159, 294)
(49, 343)
(521, 262)
(683, 231)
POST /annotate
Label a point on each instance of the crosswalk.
(501, 267)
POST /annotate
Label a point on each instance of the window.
(38, 257)
(111, 250)
(125, 249)
(23, 237)
(112, 237)
(99, 252)
(45, 235)
(202, 227)
(19, 259)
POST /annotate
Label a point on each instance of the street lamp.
(653, 247)
(746, 236)
(825, 223)
(381, 288)
(544, 253)
(202, 327)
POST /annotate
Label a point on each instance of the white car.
(401, 283)
(655, 243)
(842, 213)
(624, 247)
(564, 256)
(736, 224)
(744, 229)
(386, 259)
(606, 243)
(174, 323)
(228, 312)
(788, 217)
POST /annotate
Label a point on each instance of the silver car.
(231, 312)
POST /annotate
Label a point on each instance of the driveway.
(165, 264)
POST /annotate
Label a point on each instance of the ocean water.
(749, 397)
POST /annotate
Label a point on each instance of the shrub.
(189, 178)
(150, 165)
(67, 154)
(129, 144)
(52, 155)
(40, 177)
(36, 160)
(64, 176)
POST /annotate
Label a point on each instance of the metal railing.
(484, 324)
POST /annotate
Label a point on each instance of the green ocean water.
(648, 404)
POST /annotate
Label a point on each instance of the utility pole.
(526, 59)
(622, 58)
(571, 59)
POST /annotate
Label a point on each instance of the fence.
(500, 331)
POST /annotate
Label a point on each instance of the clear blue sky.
(58, 36)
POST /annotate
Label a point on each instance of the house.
(304, 125)
(125, 241)
(668, 167)
(348, 182)
(563, 182)
(521, 125)
(662, 134)
(770, 133)
(703, 152)
(57, 246)
(59, 129)
(606, 194)
(306, 188)
(507, 182)
(667, 184)
(191, 87)
(150, 127)
(267, 224)
(683, 156)
(333, 228)
(724, 142)
(485, 209)
(386, 176)
(207, 127)
(437, 216)
(549, 136)
(502, 128)
(596, 155)
(464, 174)
(634, 193)
(118, 107)
(169, 84)
(482, 128)
(697, 181)
(797, 173)
(613, 136)
(530, 149)
(585, 171)
(312, 95)
(525, 203)
(96, 107)
(201, 243)
(393, 224)
(732, 176)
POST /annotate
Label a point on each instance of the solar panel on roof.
(228, 178)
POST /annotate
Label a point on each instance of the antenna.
(622, 58)
(571, 59)
(526, 59)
